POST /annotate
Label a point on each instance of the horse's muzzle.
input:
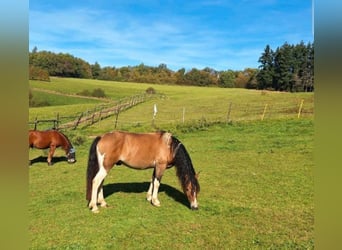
(72, 156)
(194, 208)
(194, 204)
(71, 160)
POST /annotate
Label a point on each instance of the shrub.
(36, 73)
(151, 91)
(98, 93)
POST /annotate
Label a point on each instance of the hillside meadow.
(256, 175)
(175, 104)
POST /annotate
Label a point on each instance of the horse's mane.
(184, 168)
(65, 137)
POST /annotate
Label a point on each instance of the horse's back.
(141, 140)
(43, 139)
(135, 149)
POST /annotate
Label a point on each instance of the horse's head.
(191, 190)
(185, 172)
(71, 155)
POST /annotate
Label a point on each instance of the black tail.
(93, 167)
(184, 168)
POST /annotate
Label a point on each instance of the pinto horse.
(159, 150)
(52, 139)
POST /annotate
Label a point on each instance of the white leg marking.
(99, 177)
(155, 200)
(101, 199)
(149, 192)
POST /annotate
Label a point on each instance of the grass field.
(256, 182)
(178, 103)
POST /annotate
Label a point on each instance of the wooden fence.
(91, 116)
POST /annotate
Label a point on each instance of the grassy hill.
(178, 103)
(256, 176)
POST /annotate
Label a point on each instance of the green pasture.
(176, 104)
(115, 90)
(50, 99)
(256, 177)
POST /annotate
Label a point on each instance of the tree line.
(288, 68)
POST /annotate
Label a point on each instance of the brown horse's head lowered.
(159, 150)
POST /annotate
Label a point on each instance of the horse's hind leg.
(97, 193)
(96, 186)
(100, 199)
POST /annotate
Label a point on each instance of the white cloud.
(117, 38)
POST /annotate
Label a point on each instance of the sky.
(219, 34)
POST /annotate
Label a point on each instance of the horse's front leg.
(152, 193)
(156, 184)
(158, 173)
(150, 189)
(51, 152)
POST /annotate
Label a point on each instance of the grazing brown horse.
(52, 139)
(159, 150)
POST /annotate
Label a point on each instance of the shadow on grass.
(43, 159)
(141, 187)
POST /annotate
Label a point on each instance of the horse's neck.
(67, 144)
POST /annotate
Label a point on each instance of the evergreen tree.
(95, 70)
(265, 75)
(283, 68)
(289, 68)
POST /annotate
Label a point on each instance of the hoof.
(95, 210)
(156, 203)
(104, 205)
(194, 208)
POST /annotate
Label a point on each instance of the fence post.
(263, 114)
(116, 117)
(155, 111)
(57, 121)
(300, 108)
(229, 110)
(183, 115)
(78, 121)
(35, 123)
